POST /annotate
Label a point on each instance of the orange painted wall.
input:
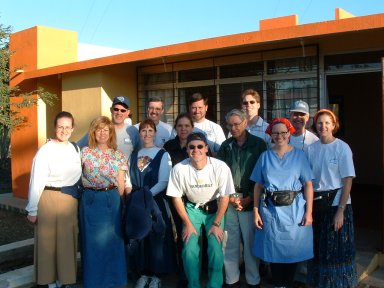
(27, 46)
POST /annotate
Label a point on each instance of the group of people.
(152, 195)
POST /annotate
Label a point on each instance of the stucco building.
(336, 63)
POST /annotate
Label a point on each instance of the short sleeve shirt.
(100, 169)
(289, 173)
(200, 186)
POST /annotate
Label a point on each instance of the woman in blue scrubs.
(284, 228)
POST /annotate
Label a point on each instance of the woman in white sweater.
(52, 206)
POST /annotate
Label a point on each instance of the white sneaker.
(142, 282)
(155, 283)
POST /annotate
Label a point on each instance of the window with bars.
(224, 88)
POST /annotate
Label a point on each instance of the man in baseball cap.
(299, 118)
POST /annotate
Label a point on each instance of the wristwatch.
(216, 224)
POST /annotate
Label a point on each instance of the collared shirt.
(258, 129)
(241, 160)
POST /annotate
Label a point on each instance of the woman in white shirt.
(52, 206)
(334, 248)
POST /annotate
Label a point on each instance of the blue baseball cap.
(122, 100)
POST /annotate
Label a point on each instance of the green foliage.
(10, 116)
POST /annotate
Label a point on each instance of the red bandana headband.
(284, 121)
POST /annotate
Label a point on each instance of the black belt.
(208, 208)
(324, 194)
(101, 189)
(52, 188)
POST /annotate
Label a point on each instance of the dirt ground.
(14, 227)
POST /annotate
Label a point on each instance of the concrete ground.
(371, 274)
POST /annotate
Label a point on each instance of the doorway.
(357, 99)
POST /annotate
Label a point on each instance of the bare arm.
(308, 193)
(256, 202)
(121, 182)
(346, 190)
(216, 228)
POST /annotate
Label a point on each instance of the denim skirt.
(102, 244)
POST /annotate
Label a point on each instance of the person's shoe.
(233, 285)
(155, 282)
(142, 282)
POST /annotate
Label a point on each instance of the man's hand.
(188, 230)
(218, 232)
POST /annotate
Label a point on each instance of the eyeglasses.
(103, 130)
(249, 102)
(234, 125)
(62, 128)
(192, 147)
(121, 110)
(283, 134)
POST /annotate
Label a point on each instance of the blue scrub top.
(283, 239)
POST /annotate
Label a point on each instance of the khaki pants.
(56, 235)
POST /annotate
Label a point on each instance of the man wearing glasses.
(205, 183)
(240, 152)
(299, 118)
(127, 136)
(155, 110)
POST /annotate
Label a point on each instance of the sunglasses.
(121, 110)
(192, 147)
(249, 102)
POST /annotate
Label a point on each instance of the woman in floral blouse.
(103, 257)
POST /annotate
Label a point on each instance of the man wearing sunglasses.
(205, 183)
(127, 136)
(250, 103)
(240, 152)
(299, 119)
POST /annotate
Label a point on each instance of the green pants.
(191, 251)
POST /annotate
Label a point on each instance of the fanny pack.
(208, 208)
(323, 200)
(281, 198)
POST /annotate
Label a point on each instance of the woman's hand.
(338, 221)
(257, 218)
(307, 219)
(32, 219)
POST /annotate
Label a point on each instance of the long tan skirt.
(56, 235)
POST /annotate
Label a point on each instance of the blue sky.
(140, 24)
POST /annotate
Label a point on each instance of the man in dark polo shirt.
(240, 152)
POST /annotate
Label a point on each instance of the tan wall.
(55, 47)
(88, 95)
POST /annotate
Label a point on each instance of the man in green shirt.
(241, 153)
